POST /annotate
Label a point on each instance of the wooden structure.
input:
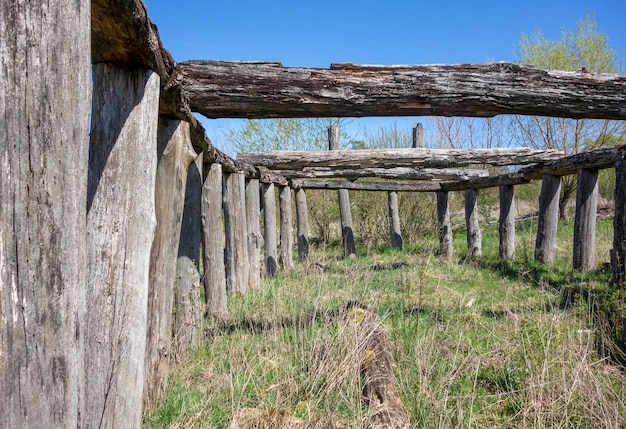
(87, 289)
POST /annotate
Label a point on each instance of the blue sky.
(318, 33)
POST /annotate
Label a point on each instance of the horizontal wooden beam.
(414, 173)
(221, 89)
(366, 185)
(392, 158)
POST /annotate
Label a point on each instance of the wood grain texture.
(286, 228)
(547, 223)
(584, 250)
(618, 253)
(474, 235)
(506, 222)
(394, 220)
(269, 230)
(255, 238)
(302, 225)
(444, 224)
(236, 230)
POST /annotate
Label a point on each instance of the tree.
(585, 48)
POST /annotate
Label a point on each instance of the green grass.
(476, 343)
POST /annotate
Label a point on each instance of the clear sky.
(318, 33)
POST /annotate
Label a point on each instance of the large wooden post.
(286, 228)
(507, 222)
(474, 235)
(302, 225)
(120, 229)
(394, 220)
(618, 253)
(545, 245)
(349, 249)
(236, 234)
(44, 106)
(213, 229)
(253, 214)
(188, 305)
(584, 252)
(269, 225)
(444, 225)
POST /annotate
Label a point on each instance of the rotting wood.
(474, 235)
(269, 230)
(253, 217)
(286, 229)
(584, 249)
(302, 225)
(415, 173)
(618, 253)
(507, 222)
(394, 220)
(44, 106)
(121, 221)
(214, 244)
(547, 223)
(222, 89)
(383, 158)
(235, 224)
(444, 224)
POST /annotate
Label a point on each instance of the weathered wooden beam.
(547, 223)
(507, 222)
(414, 173)
(302, 225)
(286, 229)
(388, 158)
(584, 249)
(444, 224)
(395, 232)
(253, 220)
(358, 185)
(618, 253)
(220, 89)
(474, 235)
(236, 227)
(269, 230)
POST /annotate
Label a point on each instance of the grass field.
(476, 343)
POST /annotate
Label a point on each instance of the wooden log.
(584, 252)
(394, 221)
(44, 106)
(120, 229)
(302, 225)
(391, 158)
(507, 222)
(414, 173)
(269, 229)
(444, 224)
(618, 253)
(545, 245)
(474, 235)
(220, 89)
(367, 185)
(286, 228)
(188, 303)
(214, 243)
(418, 136)
(255, 238)
(235, 225)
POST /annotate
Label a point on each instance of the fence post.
(474, 236)
(547, 223)
(121, 221)
(214, 243)
(444, 225)
(618, 253)
(394, 220)
(302, 221)
(286, 228)
(507, 222)
(236, 260)
(253, 220)
(269, 226)
(349, 249)
(584, 252)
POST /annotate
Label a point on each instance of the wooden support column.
(302, 225)
(349, 249)
(545, 245)
(121, 221)
(474, 236)
(269, 225)
(253, 214)
(394, 220)
(286, 228)
(507, 222)
(236, 260)
(445, 226)
(584, 253)
(214, 243)
(188, 303)
(618, 253)
(44, 106)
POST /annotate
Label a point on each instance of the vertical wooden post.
(44, 106)
(474, 236)
(188, 305)
(121, 221)
(394, 220)
(253, 213)
(545, 245)
(286, 228)
(507, 222)
(584, 253)
(213, 230)
(418, 136)
(302, 221)
(349, 249)
(236, 261)
(618, 253)
(269, 225)
(445, 226)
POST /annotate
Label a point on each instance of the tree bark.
(507, 223)
(474, 235)
(286, 228)
(618, 253)
(236, 262)
(445, 226)
(44, 107)
(302, 221)
(269, 225)
(188, 303)
(545, 245)
(120, 230)
(220, 89)
(253, 215)
(214, 244)
(584, 253)
(394, 221)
